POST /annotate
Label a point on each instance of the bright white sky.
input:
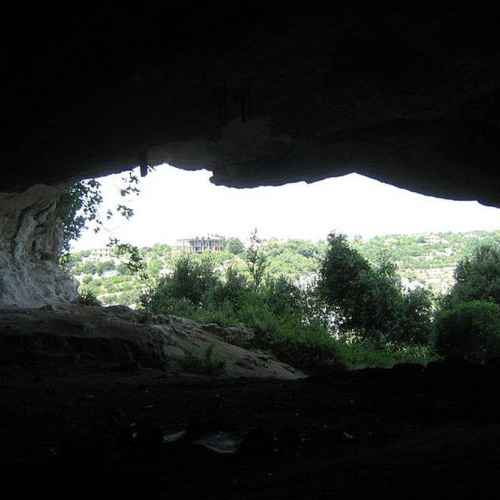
(178, 204)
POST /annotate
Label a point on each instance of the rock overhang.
(258, 97)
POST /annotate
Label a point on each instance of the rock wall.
(30, 240)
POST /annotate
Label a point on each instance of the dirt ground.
(408, 432)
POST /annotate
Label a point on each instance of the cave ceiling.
(256, 96)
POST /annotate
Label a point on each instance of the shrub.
(284, 318)
(87, 297)
(235, 246)
(369, 300)
(469, 330)
(231, 290)
(308, 347)
(341, 281)
(360, 353)
(477, 277)
(415, 324)
(283, 297)
(189, 283)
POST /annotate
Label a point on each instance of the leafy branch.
(134, 259)
(79, 208)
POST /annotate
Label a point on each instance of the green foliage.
(189, 283)
(468, 324)
(428, 259)
(218, 288)
(369, 300)
(417, 310)
(341, 279)
(278, 312)
(386, 312)
(305, 346)
(78, 206)
(256, 260)
(359, 353)
(478, 276)
(230, 291)
(469, 330)
(86, 297)
(135, 260)
(235, 246)
(103, 266)
(294, 322)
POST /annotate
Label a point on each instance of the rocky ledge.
(75, 336)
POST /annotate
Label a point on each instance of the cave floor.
(405, 432)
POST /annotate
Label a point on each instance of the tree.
(416, 326)
(190, 281)
(478, 276)
(103, 266)
(235, 246)
(469, 330)
(256, 260)
(341, 282)
(369, 300)
(79, 206)
(134, 258)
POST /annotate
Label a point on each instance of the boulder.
(233, 335)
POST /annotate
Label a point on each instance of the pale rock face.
(30, 241)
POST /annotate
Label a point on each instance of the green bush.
(87, 297)
(469, 330)
(190, 282)
(477, 277)
(370, 300)
(234, 246)
(308, 347)
(285, 319)
(415, 325)
(231, 289)
(361, 353)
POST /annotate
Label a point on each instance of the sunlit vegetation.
(428, 260)
(467, 324)
(338, 303)
(358, 354)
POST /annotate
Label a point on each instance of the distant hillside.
(428, 259)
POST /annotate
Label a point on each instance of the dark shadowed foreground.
(408, 432)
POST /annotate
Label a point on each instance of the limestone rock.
(233, 335)
(31, 238)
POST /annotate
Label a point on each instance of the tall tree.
(256, 260)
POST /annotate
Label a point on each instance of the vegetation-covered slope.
(428, 259)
